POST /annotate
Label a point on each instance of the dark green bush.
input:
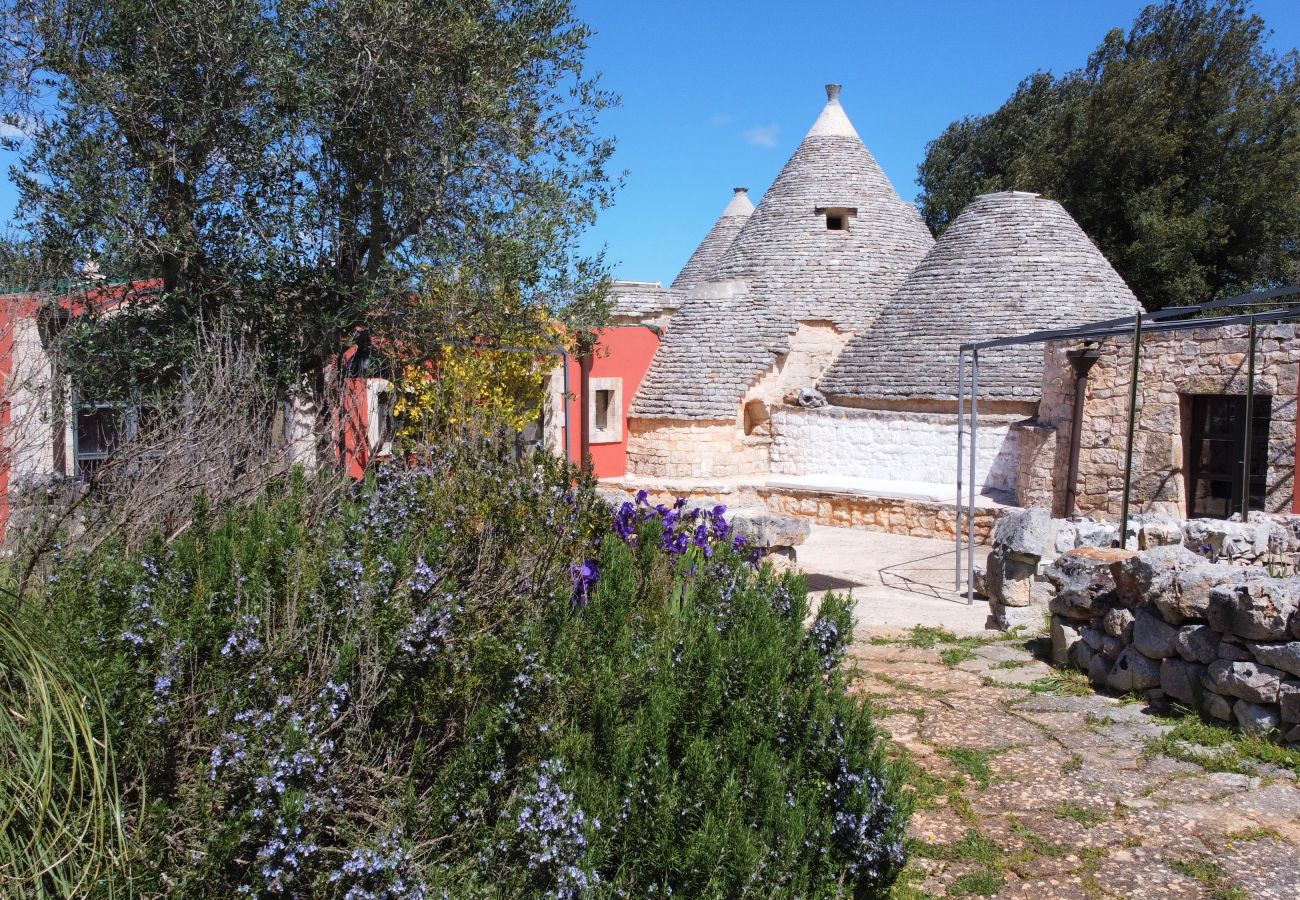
(473, 680)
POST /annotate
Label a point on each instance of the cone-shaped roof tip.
(740, 204)
(833, 122)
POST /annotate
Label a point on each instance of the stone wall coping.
(862, 413)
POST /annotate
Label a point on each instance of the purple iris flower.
(584, 579)
(643, 497)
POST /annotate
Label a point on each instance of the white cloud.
(763, 135)
(11, 131)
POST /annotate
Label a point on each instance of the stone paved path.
(1028, 785)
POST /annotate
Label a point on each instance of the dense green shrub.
(473, 680)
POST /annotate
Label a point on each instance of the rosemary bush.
(475, 679)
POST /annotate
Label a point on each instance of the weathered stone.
(1233, 652)
(1028, 533)
(1293, 736)
(1245, 680)
(810, 398)
(1152, 636)
(1288, 700)
(1092, 637)
(1081, 656)
(1004, 618)
(1134, 672)
(1197, 643)
(1065, 634)
(1111, 646)
(1181, 680)
(1149, 573)
(1255, 718)
(1279, 656)
(1099, 670)
(1159, 534)
(1216, 707)
(1008, 579)
(764, 529)
(1096, 534)
(1118, 623)
(1258, 609)
(1067, 537)
(1186, 595)
(1084, 585)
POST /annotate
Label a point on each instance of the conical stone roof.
(786, 266)
(1011, 263)
(699, 268)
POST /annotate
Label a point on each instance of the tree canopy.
(303, 166)
(1176, 148)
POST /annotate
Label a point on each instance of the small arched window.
(757, 418)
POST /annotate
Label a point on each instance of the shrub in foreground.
(476, 680)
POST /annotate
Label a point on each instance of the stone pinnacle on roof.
(700, 266)
(789, 264)
(1010, 263)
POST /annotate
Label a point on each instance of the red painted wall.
(622, 351)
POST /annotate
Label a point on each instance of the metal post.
(1132, 425)
(1250, 421)
(564, 404)
(974, 455)
(961, 413)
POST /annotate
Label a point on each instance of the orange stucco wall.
(623, 351)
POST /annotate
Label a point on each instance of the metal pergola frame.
(1181, 318)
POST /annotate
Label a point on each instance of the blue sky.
(718, 94)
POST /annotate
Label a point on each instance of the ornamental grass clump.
(472, 679)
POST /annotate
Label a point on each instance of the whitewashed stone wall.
(896, 446)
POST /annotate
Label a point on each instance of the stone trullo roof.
(700, 267)
(1011, 263)
(787, 265)
(647, 299)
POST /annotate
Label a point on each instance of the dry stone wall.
(668, 448)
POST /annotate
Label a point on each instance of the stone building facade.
(1181, 375)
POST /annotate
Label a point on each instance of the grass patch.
(1206, 871)
(1092, 720)
(1067, 683)
(1040, 846)
(1252, 834)
(1073, 764)
(973, 763)
(1216, 748)
(902, 685)
(983, 883)
(973, 847)
(925, 637)
(952, 656)
(879, 640)
(1088, 818)
(1010, 664)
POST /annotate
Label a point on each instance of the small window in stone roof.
(837, 217)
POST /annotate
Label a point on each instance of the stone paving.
(1030, 785)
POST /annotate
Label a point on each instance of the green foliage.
(1168, 148)
(1217, 748)
(400, 693)
(60, 827)
(1081, 814)
(303, 167)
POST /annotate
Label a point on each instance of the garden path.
(1030, 785)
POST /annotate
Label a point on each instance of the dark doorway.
(1217, 450)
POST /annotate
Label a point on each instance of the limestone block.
(1216, 707)
(1159, 534)
(1152, 636)
(1134, 672)
(1233, 652)
(1029, 534)
(1255, 718)
(1288, 699)
(1147, 574)
(764, 529)
(1181, 680)
(1096, 534)
(1186, 596)
(1099, 670)
(1118, 623)
(1245, 680)
(1258, 609)
(1005, 618)
(1081, 656)
(1065, 634)
(1284, 656)
(1084, 584)
(1197, 643)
